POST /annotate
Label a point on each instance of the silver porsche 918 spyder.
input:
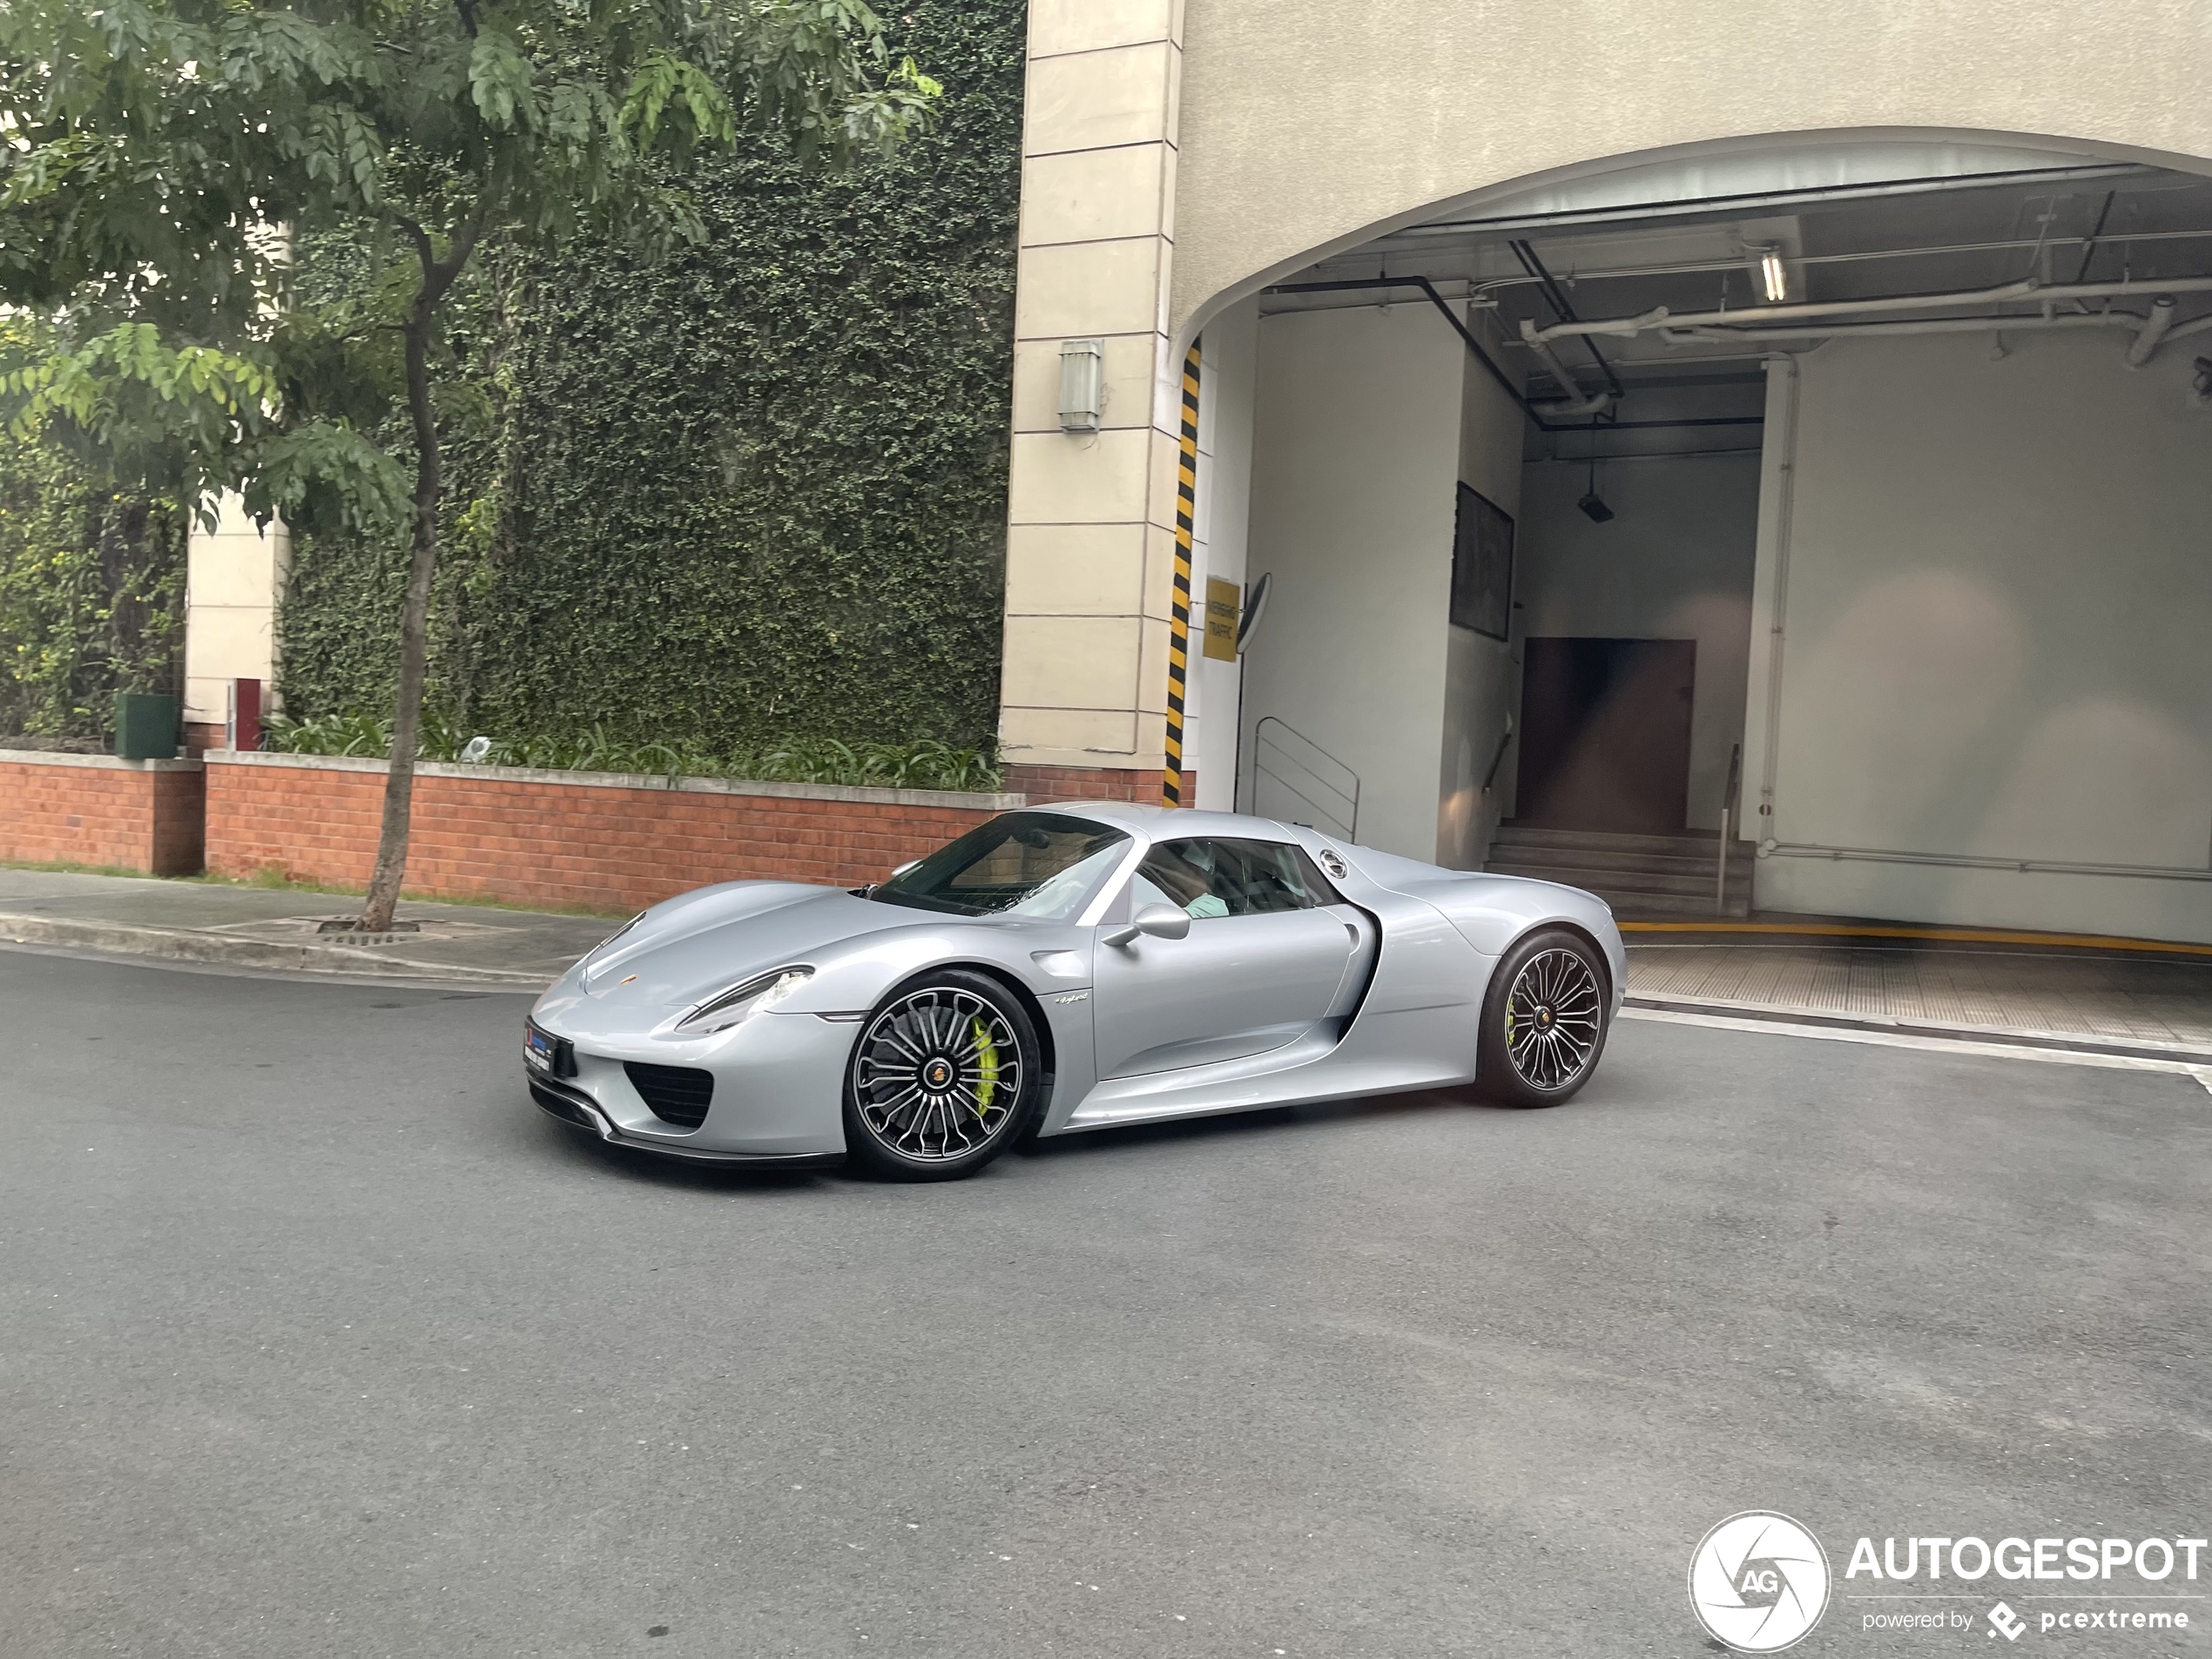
(1065, 969)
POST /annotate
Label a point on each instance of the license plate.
(538, 1049)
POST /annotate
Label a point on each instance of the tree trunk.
(415, 632)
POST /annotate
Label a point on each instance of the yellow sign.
(1222, 600)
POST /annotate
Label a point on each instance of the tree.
(161, 154)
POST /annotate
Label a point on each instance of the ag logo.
(1758, 1581)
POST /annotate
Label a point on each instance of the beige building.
(1638, 413)
(1722, 457)
(234, 577)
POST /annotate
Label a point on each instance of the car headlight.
(741, 1002)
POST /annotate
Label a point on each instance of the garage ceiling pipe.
(1483, 286)
(2146, 342)
(1576, 404)
(1755, 316)
(1564, 308)
(1534, 412)
(2127, 320)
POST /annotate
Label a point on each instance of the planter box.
(142, 815)
(606, 840)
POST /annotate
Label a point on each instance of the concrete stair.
(1638, 875)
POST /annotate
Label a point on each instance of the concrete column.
(1090, 535)
(233, 581)
(1225, 488)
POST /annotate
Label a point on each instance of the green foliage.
(162, 151)
(923, 763)
(752, 489)
(91, 589)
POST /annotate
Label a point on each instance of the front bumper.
(778, 1089)
(578, 1110)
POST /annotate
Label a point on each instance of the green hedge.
(754, 492)
(91, 591)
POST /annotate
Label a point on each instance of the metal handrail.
(1316, 777)
(1499, 757)
(1730, 798)
(1492, 812)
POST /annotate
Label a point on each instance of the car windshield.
(1045, 865)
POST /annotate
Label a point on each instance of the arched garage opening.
(1853, 491)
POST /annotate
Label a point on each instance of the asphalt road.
(317, 1339)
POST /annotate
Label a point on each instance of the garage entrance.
(1605, 734)
(1849, 495)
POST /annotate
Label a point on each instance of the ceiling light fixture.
(1773, 276)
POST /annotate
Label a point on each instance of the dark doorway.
(1605, 734)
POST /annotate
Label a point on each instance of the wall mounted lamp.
(1083, 384)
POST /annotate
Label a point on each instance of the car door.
(1260, 967)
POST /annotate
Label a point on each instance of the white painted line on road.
(1930, 1045)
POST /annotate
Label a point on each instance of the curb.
(1779, 1014)
(1738, 930)
(185, 945)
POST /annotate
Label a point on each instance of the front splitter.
(578, 1110)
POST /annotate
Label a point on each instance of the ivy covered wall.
(757, 490)
(92, 590)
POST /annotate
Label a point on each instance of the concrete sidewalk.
(274, 928)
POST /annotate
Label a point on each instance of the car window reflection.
(1217, 876)
(1043, 865)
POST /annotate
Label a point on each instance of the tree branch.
(424, 249)
(440, 274)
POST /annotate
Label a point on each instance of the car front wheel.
(944, 1077)
(1543, 1020)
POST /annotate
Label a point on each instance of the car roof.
(1166, 823)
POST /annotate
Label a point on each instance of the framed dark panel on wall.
(1482, 566)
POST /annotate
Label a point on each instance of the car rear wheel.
(1543, 1020)
(943, 1078)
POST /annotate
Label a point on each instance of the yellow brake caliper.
(987, 1055)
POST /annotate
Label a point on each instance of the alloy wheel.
(1552, 1019)
(938, 1074)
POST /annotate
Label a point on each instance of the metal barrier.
(1296, 780)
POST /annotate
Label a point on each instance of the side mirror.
(1157, 920)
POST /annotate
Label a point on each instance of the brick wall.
(95, 809)
(597, 839)
(1094, 783)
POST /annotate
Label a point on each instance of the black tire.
(927, 1096)
(1544, 1020)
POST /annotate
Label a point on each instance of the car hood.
(723, 935)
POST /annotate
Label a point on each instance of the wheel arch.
(1567, 925)
(1011, 984)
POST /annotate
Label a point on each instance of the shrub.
(925, 763)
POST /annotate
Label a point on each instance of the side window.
(1205, 877)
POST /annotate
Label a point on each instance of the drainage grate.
(678, 1095)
